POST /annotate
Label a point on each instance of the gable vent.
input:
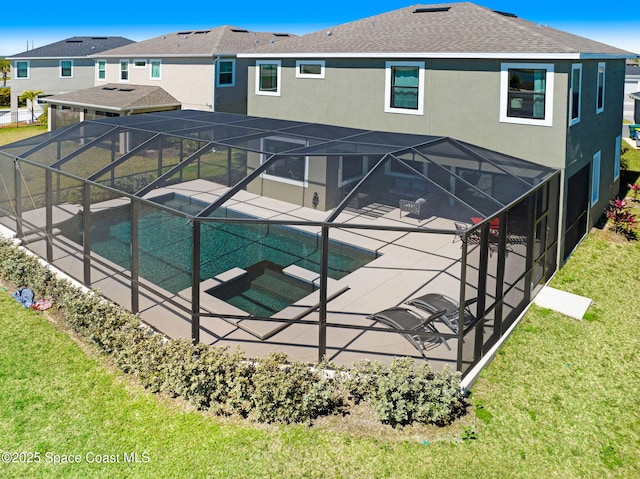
(431, 9)
(505, 14)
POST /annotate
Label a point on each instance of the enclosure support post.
(48, 214)
(135, 258)
(322, 319)
(195, 283)
(18, 181)
(86, 232)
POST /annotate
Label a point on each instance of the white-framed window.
(22, 69)
(226, 73)
(268, 75)
(404, 88)
(600, 87)
(310, 68)
(66, 68)
(155, 70)
(616, 163)
(595, 178)
(124, 70)
(352, 169)
(575, 96)
(526, 93)
(101, 69)
(291, 169)
(138, 63)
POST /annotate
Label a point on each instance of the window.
(66, 68)
(616, 164)
(600, 88)
(154, 73)
(124, 70)
(102, 69)
(526, 93)
(595, 178)
(22, 69)
(288, 169)
(139, 63)
(404, 87)
(268, 77)
(309, 69)
(351, 169)
(226, 70)
(574, 94)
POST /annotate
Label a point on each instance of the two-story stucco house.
(467, 72)
(197, 67)
(59, 67)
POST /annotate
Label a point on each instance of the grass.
(11, 134)
(559, 400)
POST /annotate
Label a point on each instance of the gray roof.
(74, 47)
(632, 70)
(452, 29)
(224, 40)
(114, 96)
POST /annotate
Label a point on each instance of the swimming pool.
(165, 245)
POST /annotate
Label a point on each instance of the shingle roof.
(113, 96)
(74, 47)
(442, 29)
(224, 40)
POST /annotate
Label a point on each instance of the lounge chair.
(416, 328)
(448, 309)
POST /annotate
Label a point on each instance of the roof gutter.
(451, 55)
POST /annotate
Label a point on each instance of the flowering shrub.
(636, 189)
(623, 220)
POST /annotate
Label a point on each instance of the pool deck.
(410, 264)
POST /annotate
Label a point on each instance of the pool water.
(165, 242)
(263, 290)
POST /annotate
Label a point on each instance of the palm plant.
(32, 96)
(5, 67)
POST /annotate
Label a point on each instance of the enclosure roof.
(480, 181)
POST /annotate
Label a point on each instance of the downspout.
(215, 70)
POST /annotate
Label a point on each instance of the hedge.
(271, 389)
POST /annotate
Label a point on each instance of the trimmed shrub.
(267, 390)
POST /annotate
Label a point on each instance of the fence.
(21, 117)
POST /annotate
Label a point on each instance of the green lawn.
(559, 400)
(11, 134)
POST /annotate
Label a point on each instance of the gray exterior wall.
(44, 75)
(462, 101)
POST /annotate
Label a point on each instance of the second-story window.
(102, 69)
(226, 73)
(124, 70)
(66, 68)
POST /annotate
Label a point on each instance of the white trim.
(387, 88)
(604, 83)
(575, 67)
(455, 55)
(128, 63)
(504, 94)
(98, 70)
(616, 162)
(60, 69)
(265, 156)
(233, 72)
(151, 62)
(299, 63)
(139, 60)
(15, 67)
(595, 178)
(278, 77)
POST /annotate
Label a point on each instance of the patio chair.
(448, 309)
(417, 208)
(416, 328)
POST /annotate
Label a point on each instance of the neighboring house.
(59, 67)
(632, 78)
(467, 72)
(197, 67)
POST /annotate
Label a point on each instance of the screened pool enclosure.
(314, 240)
